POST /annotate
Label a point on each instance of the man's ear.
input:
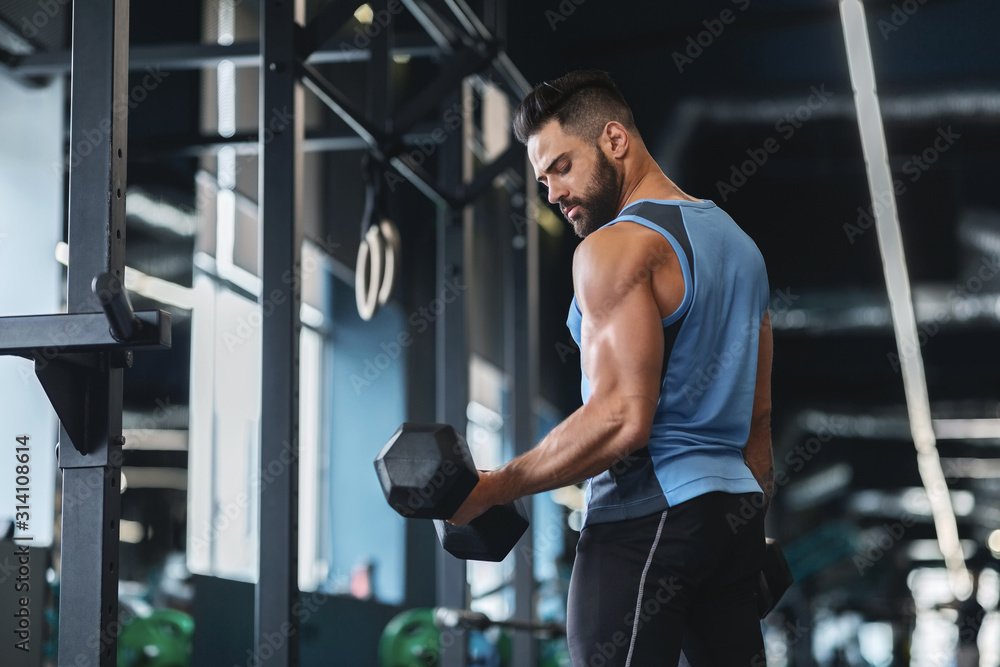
(616, 139)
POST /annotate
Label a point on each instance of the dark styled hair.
(583, 102)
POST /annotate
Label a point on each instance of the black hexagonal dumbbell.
(426, 472)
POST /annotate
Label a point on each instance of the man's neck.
(649, 182)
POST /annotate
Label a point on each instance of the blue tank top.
(709, 372)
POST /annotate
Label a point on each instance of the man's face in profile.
(581, 179)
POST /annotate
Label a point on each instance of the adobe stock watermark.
(542, 540)
(420, 320)
(163, 412)
(49, 349)
(8, 569)
(561, 13)
(989, 268)
(696, 44)
(423, 148)
(420, 499)
(292, 279)
(105, 637)
(228, 512)
(969, 629)
(876, 543)
(95, 137)
(721, 362)
(449, 638)
(47, 10)
(898, 17)
(532, 208)
(277, 121)
(793, 634)
(363, 35)
(650, 606)
(915, 167)
(795, 460)
(642, 273)
(303, 609)
(786, 127)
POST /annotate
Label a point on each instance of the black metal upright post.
(378, 101)
(91, 460)
(452, 363)
(280, 235)
(521, 356)
(521, 361)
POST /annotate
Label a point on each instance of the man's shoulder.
(621, 239)
(619, 250)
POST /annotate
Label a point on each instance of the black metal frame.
(90, 367)
(290, 55)
(452, 375)
(79, 356)
(280, 233)
(469, 49)
(521, 365)
(178, 57)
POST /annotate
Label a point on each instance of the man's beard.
(599, 205)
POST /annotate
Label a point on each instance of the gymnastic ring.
(390, 237)
(367, 283)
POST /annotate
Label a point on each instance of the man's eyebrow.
(552, 164)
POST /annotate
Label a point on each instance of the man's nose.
(556, 193)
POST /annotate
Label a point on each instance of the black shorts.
(643, 588)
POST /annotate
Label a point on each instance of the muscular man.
(670, 314)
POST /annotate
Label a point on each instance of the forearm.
(759, 457)
(585, 444)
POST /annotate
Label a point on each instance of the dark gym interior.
(324, 118)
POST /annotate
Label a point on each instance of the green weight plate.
(162, 639)
(410, 639)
